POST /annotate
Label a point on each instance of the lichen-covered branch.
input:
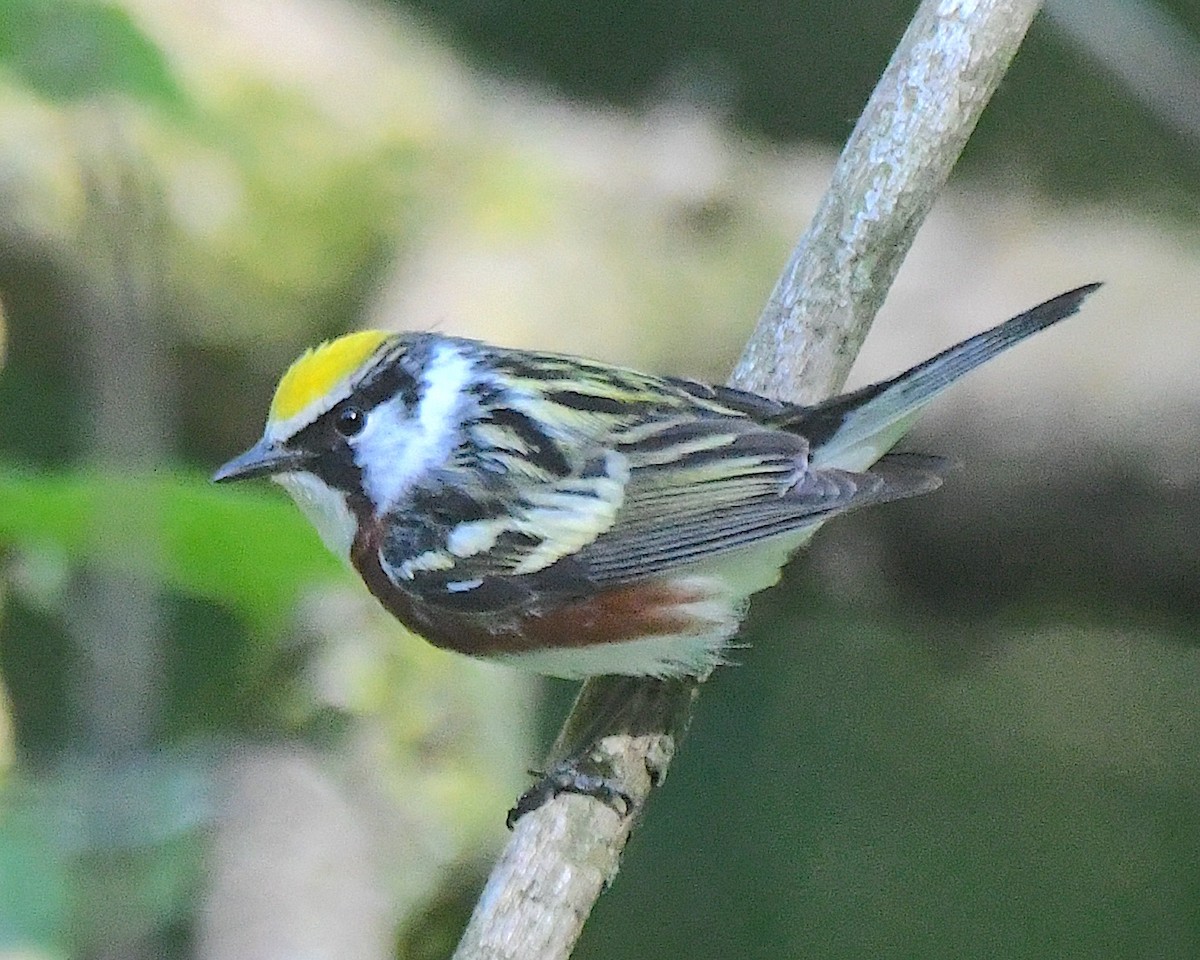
(950, 60)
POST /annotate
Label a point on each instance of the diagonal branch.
(946, 67)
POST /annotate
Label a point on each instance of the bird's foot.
(580, 775)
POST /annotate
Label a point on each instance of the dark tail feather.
(843, 423)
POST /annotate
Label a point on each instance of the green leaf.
(72, 49)
(33, 881)
(96, 852)
(246, 549)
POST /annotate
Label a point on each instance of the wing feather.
(670, 497)
(664, 528)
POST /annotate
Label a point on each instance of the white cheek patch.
(325, 508)
(398, 445)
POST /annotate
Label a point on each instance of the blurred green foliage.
(211, 222)
(68, 50)
(96, 855)
(86, 836)
(246, 550)
(801, 71)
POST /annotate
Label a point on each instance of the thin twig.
(950, 60)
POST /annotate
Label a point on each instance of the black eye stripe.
(334, 462)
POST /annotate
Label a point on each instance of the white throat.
(325, 508)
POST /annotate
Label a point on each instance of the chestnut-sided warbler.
(577, 518)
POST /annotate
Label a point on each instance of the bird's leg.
(582, 758)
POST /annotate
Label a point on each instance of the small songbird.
(577, 518)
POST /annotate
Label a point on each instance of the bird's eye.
(350, 421)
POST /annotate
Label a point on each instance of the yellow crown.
(320, 371)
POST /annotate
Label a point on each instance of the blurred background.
(967, 725)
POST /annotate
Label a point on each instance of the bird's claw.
(567, 776)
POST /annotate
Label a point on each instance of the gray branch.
(951, 59)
